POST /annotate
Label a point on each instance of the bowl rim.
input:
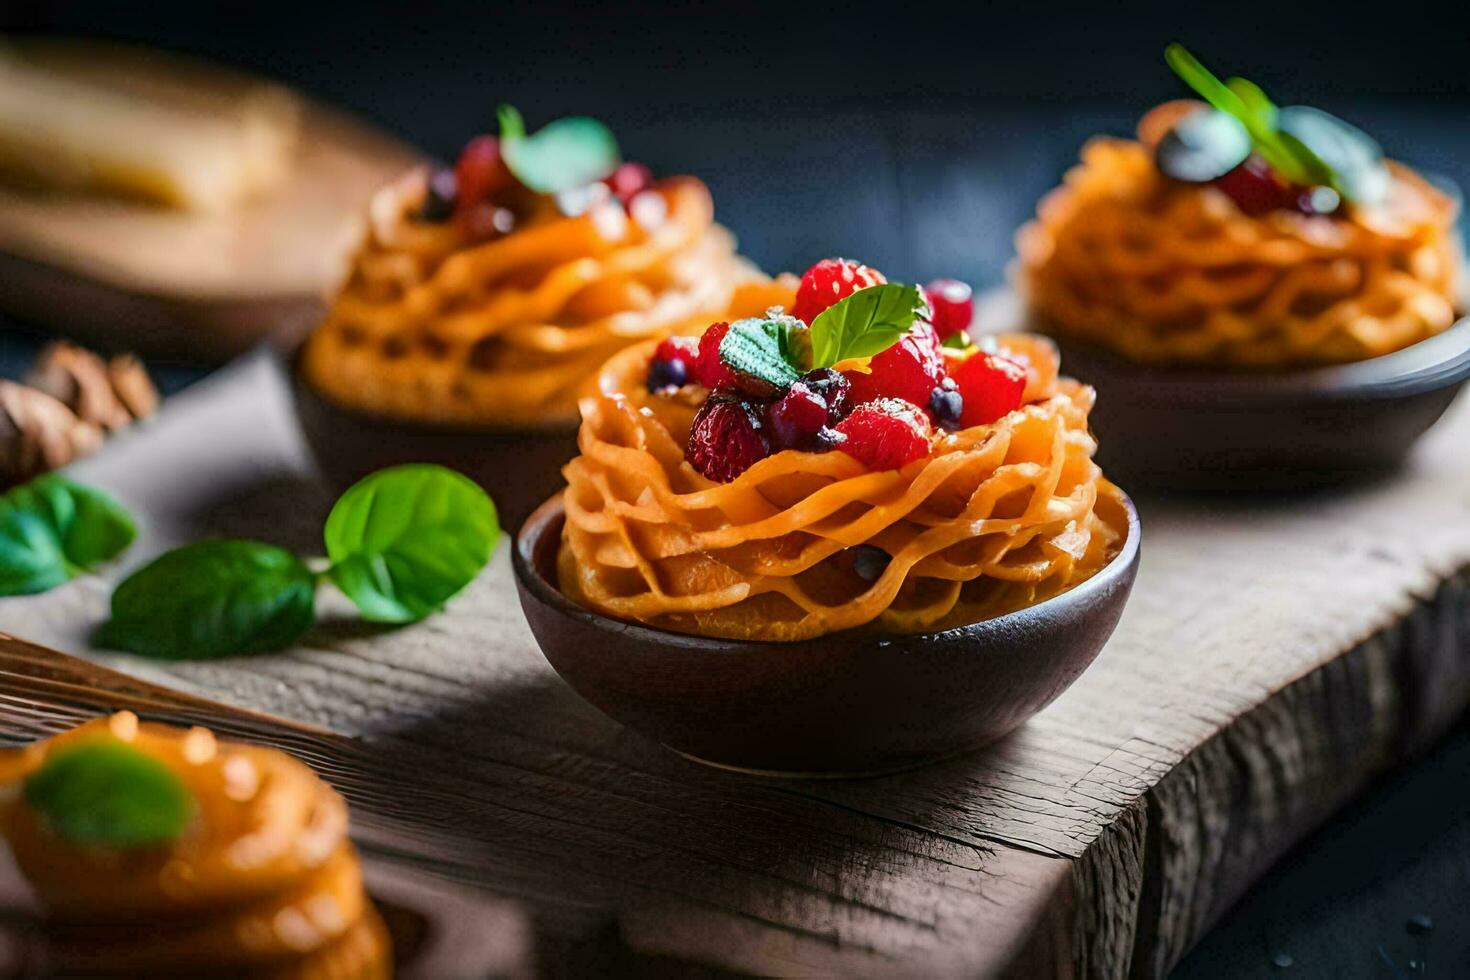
(1429, 365)
(552, 511)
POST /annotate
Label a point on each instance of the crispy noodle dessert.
(158, 850)
(855, 463)
(489, 294)
(1236, 234)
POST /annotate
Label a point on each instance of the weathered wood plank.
(1277, 654)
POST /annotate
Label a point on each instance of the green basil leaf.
(865, 323)
(1352, 159)
(404, 540)
(757, 349)
(52, 530)
(561, 156)
(104, 792)
(212, 599)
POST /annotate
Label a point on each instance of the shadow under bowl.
(850, 703)
(1186, 429)
(519, 468)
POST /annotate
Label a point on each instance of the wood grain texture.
(1277, 654)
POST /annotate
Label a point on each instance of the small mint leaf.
(106, 793)
(757, 350)
(865, 323)
(561, 156)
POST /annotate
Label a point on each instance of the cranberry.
(710, 371)
(886, 434)
(835, 390)
(725, 439)
(992, 387)
(482, 221)
(946, 403)
(439, 197)
(1255, 187)
(829, 281)
(951, 306)
(480, 171)
(626, 181)
(910, 369)
(796, 417)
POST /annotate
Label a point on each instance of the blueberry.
(946, 404)
(834, 388)
(869, 562)
(667, 374)
(439, 199)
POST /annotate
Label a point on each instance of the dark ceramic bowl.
(518, 468)
(1166, 429)
(848, 703)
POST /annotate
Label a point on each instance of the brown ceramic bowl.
(518, 468)
(849, 703)
(1172, 429)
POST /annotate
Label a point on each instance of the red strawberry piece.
(628, 180)
(910, 369)
(1256, 188)
(710, 371)
(886, 434)
(480, 173)
(794, 420)
(951, 306)
(725, 439)
(991, 386)
(827, 282)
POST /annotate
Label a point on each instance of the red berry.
(673, 363)
(886, 434)
(991, 387)
(910, 369)
(827, 282)
(628, 180)
(685, 349)
(951, 305)
(710, 371)
(794, 420)
(480, 172)
(1255, 187)
(725, 439)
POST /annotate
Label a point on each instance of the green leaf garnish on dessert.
(403, 541)
(865, 323)
(562, 155)
(1304, 146)
(106, 793)
(52, 530)
(764, 352)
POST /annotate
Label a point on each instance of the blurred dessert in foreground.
(159, 850)
(1232, 233)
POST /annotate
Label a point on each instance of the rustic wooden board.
(1277, 654)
